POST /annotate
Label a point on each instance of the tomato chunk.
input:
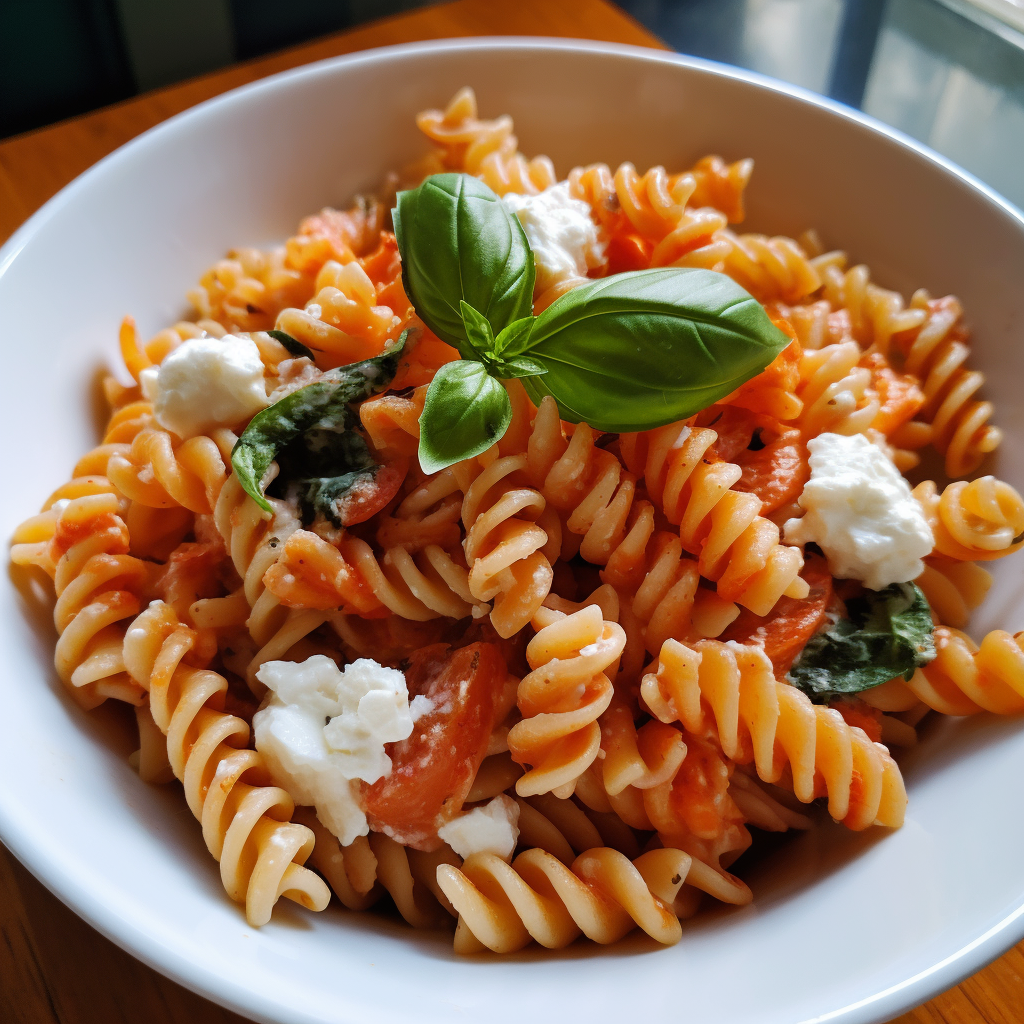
(735, 427)
(776, 473)
(785, 630)
(900, 394)
(372, 492)
(856, 713)
(628, 252)
(433, 770)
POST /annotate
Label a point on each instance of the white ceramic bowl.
(844, 927)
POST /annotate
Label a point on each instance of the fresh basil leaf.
(641, 349)
(888, 634)
(515, 338)
(300, 430)
(465, 412)
(519, 366)
(479, 335)
(294, 346)
(458, 241)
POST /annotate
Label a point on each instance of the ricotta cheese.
(206, 383)
(493, 828)
(561, 233)
(321, 729)
(861, 513)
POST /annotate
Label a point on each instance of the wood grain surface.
(54, 968)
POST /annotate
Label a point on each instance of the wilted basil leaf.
(294, 346)
(458, 241)
(641, 349)
(318, 474)
(309, 434)
(465, 412)
(888, 634)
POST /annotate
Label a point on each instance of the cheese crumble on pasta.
(556, 689)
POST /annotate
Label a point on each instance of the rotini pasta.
(755, 717)
(558, 687)
(563, 697)
(245, 819)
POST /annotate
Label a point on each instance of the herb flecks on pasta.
(542, 456)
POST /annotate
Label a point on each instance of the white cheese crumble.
(320, 729)
(561, 233)
(493, 828)
(206, 383)
(861, 513)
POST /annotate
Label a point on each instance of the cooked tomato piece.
(776, 473)
(628, 252)
(856, 713)
(433, 770)
(698, 798)
(734, 426)
(785, 630)
(192, 572)
(900, 394)
(372, 492)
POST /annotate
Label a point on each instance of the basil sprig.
(627, 352)
(310, 435)
(888, 633)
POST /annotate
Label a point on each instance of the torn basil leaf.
(310, 435)
(294, 346)
(887, 634)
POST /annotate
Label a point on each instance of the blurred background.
(948, 72)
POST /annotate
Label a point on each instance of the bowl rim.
(57, 873)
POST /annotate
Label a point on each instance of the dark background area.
(943, 71)
(59, 58)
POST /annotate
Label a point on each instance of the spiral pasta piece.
(871, 315)
(370, 867)
(487, 149)
(98, 584)
(161, 472)
(585, 483)
(774, 725)
(246, 290)
(563, 697)
(345, 321)
(769, 268)
(392, 422)
(245, 818)
(603, 895)
(938, 354)
(931, 336)
(977, 521)
(505, 546)
(964, 678)
(953, 588)
(735, 546)
(311, 573)
(836, 391)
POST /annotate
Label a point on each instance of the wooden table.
(54, 968)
